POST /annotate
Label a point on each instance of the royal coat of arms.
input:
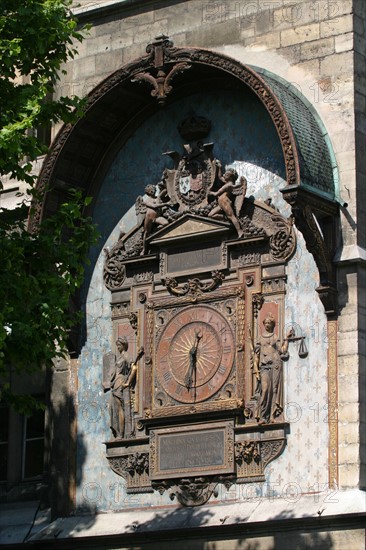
(193, 175)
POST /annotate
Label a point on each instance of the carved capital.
(130, 465)
(247, 451)
(252, 456)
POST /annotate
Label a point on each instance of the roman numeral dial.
(195, 354)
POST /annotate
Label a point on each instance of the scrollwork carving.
(249, 229)
(271, 450)
(189, 491)
(282, 242)
(193, 286)
(134, 468)
(119, 465)
(114, 271)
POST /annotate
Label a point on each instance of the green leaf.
(39, 273)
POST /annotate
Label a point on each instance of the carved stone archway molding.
(147, 84)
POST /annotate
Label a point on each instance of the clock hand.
(188, 380)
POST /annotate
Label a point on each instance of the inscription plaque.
(181, 259)
(191, 450)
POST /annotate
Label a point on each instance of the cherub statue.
(152, 210)
(230, 197)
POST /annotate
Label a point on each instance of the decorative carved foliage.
(252, 456)
(249, 259)
(119, 465)
(159, 77)
(189, 491)
(271, 450)
(247, 451)
(134, 468)
(194, 286)
(250, 229)
(143, 277)
(257, 300)
(114, 271)
(120, 310)
(133, 321)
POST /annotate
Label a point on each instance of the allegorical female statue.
(267, 356)
(122, 381)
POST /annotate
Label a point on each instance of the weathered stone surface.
(299, 35)
(349, 453)
(349, 474)
(84, 67)
(348, 388)
(297, 14)
(100, 44)
(336, 9)
(337, 64)
(268, 41)
(339, 25)
(147, 33)
(108, 62)
(316, 49)
(349, 432)
(343, 42)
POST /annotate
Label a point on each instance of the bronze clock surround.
(203, 381)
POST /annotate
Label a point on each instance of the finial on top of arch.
(158, 49)
(159, 52)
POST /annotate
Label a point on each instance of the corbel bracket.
(317, 218)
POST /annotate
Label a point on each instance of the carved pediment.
(190, 226)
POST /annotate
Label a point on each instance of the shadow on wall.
(62, 441)
(233, 534)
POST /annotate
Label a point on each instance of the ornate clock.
(195, 354)
(193, 284)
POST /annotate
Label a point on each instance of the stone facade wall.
(360, 116)
(319, 48)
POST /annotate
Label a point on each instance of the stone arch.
(118, 105)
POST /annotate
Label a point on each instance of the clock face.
(195, 354)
